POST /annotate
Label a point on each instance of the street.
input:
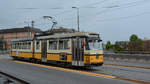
(44, 74)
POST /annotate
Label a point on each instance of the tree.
(120, 46)
(135, 44)
(133, 38)
(108, 45)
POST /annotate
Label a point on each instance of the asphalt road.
(42, 75)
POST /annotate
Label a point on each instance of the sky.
(115, 20)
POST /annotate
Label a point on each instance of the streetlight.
(77, 18)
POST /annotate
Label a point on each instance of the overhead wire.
(117, 7)
(123, 6)
(125, 17)
(131, 4)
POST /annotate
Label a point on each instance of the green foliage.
(133, 38)
(135, 44)
(120, 46)
(108, 45)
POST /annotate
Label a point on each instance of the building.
(14, 33)
(2, 44)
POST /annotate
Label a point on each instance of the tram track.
(6, 78)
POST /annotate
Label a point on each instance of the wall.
(10, 36)
(128, 57)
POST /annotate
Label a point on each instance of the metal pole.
(32, 23)
(78, 19)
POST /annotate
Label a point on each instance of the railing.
(4, 52)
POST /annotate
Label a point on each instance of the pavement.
(44, 74)
(144, 64)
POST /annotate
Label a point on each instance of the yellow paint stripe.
(128, 66)
(77, 71)
(131, 80)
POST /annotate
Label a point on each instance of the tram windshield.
(94, 45)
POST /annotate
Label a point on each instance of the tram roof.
(68, 35)
(22, 39)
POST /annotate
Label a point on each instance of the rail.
(9, 79)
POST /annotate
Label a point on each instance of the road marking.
(131, 80)
(128, 66)
(84, 72)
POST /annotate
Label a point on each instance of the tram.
(79, 49)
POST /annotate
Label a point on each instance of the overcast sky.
(115, 20)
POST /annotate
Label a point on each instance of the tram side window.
(61, 45)
(26, 47)
(66, 44)
(37, 45)
(23, 46)
(53, 45)
(29, 45)
(20, 46)
(12, 45)
(17, 45)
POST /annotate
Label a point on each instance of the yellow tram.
(74, 49)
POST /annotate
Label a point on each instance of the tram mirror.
(99, 40)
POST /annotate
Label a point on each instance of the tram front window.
(94, 45)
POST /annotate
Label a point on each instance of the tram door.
(77, 52)
(44, 50)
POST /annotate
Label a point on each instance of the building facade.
(14, 33)
(2, 44)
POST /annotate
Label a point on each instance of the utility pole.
(32, 26)
(32, 23)
(78, 20)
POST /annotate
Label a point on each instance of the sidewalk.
(5, 56)
(127, 64)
